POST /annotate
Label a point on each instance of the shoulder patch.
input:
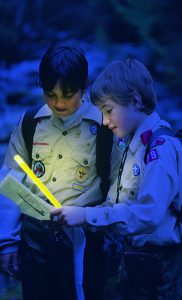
(157, 142)
(152, 155)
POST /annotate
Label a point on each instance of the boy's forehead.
(104, 102)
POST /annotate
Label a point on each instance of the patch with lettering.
(152, 155)
(39, 169)
(158, 141)
(78, 187)
(82, 173)
(40, 144)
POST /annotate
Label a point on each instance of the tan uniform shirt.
(63, 158)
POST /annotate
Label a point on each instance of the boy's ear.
(137, 102)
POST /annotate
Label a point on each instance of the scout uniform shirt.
(146, 190)
(63, 158)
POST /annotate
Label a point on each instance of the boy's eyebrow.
(104, 105)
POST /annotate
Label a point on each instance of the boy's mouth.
(60, 109)
(114, 129)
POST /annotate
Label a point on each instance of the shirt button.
(94, 220)
(37, 155)
(86, 162)
(60, 156)
(64, 132)
(54, 179)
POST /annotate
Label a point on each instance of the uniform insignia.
(152, 155)
(39, 169)
(82, 173)
(40, 144)
(78, 187)
(136, 170)
(78, 133)
(93, 129)
(121, 145)
(158, 141)
(145, 137)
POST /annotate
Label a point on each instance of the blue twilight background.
(149, 30)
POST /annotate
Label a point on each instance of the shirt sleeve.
(10, 215)
(159, 186)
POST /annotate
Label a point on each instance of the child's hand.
(70, 215)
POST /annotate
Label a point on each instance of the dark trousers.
(47, 262)
(153, 273)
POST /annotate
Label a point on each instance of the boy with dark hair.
(64, 158)
(149, 186)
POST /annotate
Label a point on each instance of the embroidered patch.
(158, 141)
(145, 136)
(136, 170)
(78, 133)
(39, 169)
(41, 144)
(78, 187)
(82, 173)
(121, 145)
(93, 129)
(152, 155)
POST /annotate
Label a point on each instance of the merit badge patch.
(39, 169)
(78, 187)
(82, 173)
(93, 129)
(152, 155)
(136, 170)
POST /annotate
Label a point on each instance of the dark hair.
(68, 65)
(123, 79)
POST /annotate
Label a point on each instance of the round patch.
(93, 129)
(136, 170)
(82, 173)
(39, 169)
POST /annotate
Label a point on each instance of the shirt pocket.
(131, 188)
(42, 162)
(84, 169)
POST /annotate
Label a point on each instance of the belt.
(46, 224)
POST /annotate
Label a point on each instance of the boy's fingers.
(55, 212)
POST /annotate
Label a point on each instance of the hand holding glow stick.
(37, 181)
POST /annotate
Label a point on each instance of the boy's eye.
(109, 110)
(68, 96)
(50, 95)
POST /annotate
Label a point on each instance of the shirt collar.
(144, 131)
(88, 111)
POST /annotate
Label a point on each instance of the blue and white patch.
(39, 169)
(136, 170)
(93, 129)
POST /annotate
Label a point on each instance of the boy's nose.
(106, 120)
(60, 102)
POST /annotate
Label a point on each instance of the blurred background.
(149, 30)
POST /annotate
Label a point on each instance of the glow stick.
(37, 181)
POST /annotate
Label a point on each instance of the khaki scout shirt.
(63, 158)
(147, 190)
